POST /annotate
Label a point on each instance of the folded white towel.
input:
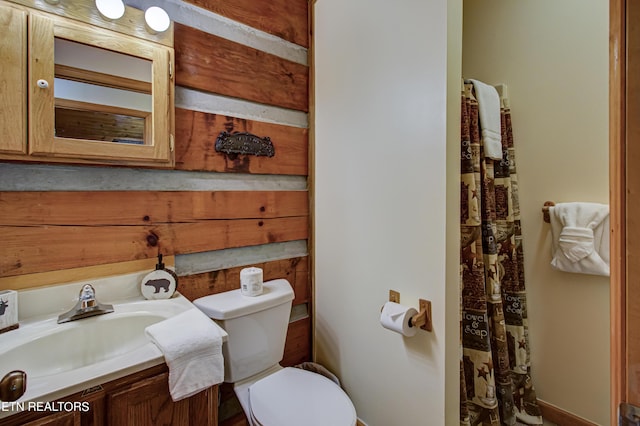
(489, 114)
(580, 233)
(192, 348)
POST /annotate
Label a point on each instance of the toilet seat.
(294, 397)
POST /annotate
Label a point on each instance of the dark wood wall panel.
(45, 231)
(295, 270)
(33, 249)
(286, 19)
(146, 207)
(196, 134)
(213, 64)
(297, 348)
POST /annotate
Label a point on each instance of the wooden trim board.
(196, 133)
(21, 282)
(117, 208)
(617, 184)
(46, 248)
(561, 417)
(238, 71)
(265, 16)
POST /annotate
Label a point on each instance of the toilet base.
(241, 390)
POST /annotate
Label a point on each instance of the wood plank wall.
(242, 66)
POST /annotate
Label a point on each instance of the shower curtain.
(495, 381)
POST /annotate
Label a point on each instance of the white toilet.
(269, 394)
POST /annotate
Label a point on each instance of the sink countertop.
(43, 301)
(38, 312)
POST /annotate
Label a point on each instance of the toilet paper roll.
(395, 317)
(251, 281)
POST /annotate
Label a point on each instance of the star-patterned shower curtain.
(495, 381)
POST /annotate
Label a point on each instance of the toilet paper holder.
(423, 318)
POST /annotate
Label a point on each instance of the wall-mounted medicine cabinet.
(71, 91)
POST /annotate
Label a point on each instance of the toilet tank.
(257, 327)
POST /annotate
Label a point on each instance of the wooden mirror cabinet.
(78, 88)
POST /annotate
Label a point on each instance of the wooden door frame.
(618, 202)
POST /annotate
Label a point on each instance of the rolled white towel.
(580, 233)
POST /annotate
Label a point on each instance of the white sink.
(61, 359)
(79, 344)
(45, 347)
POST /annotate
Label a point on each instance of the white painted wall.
(381, 197)
(554, 58)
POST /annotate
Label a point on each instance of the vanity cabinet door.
(81, 409)
(57, 419)
(148, 403)
(13, 80)
(65, 418)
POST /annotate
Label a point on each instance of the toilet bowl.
(271, 395)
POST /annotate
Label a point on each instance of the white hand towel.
(580, 233)
(489, 114)
(192, 348)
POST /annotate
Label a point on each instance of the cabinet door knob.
(43, 84)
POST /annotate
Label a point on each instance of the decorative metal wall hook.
(244, 143)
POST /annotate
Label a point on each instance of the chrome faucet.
(87, 306)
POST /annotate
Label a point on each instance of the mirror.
(100, 94)
(97, 95)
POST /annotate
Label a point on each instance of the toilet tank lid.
(232, 304)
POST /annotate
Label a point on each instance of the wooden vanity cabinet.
(141, 399)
